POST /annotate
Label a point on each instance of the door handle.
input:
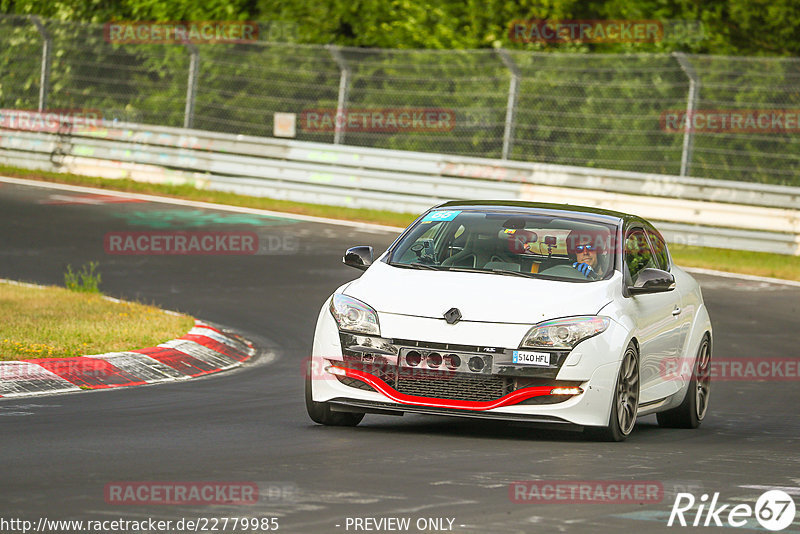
(676, 311)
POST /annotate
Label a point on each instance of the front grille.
(388, 361)
(454, 386)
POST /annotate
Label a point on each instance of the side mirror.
(652, 281)
(358, 257)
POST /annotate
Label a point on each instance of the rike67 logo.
(774, 510)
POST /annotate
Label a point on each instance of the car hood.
(482, 297)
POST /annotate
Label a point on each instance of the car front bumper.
(368, 373)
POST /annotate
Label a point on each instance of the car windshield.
(512, 244)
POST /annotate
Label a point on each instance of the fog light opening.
(452, 361)
(476, 364)
(413, 358)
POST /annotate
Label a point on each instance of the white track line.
(196, 204)
(791, 490)
(751, 277)
(22, 284)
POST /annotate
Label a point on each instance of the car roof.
(585, 212)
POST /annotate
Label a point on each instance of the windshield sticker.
(441, 216)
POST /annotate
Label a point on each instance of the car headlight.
(564, 333)
(352, 315)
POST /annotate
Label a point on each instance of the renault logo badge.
(452, 316)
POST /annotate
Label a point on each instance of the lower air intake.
(454, 386)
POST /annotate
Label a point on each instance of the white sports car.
(554, 314)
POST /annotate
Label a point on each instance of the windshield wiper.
(487, 271)
(418, 266)
(514, 273)
(466, 270)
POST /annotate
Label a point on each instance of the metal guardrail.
(704, 212)
(581, 108)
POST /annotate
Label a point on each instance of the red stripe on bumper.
(506, 400)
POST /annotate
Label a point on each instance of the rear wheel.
(321, 413)
(625, 403)
(694, 407)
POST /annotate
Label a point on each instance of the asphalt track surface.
(59, 452)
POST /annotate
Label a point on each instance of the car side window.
(638, 255)
(659, 250)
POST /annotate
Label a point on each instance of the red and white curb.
(203, 350)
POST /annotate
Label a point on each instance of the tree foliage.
(731, 27)
(597, 110)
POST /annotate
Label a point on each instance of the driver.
(585, 253)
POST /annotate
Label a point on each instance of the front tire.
(321, 413)
(625, 403)
(694, 407)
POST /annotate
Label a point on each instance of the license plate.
(532, 358)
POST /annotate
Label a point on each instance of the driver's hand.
(585, 269)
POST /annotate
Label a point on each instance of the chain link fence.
(592, 110)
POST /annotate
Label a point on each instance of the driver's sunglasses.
(587, 248)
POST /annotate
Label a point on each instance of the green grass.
(54, 322)
(85, 279)
(736, 261)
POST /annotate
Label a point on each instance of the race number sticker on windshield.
(531, 358)
(441, 215)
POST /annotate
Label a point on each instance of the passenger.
(588, 257)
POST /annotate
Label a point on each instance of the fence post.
(691, 105)
(44, 78)
(511, 105)
(344, 86)
(191, 85)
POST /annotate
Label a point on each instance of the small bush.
(85, 280)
